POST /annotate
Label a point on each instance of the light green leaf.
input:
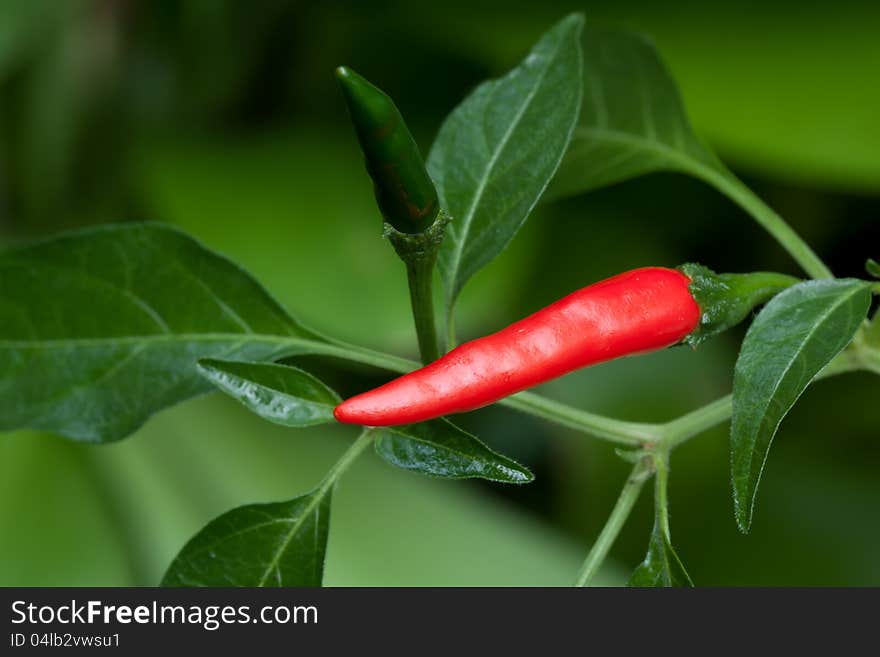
(281, 544)
(796, 335)
(661, 567)
(633, 122)
(440, 449)
(103, 327)
(498, 150)
(279, 393)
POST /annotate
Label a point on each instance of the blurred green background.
(222, 118)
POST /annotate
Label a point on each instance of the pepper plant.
(101, 328)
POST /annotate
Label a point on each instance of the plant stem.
(356, 354)
(730, 185)
(661, 499)
(419, 253)
(615, 522)
(420, 276)
(696, 422)
(348, 457)
(617, 431)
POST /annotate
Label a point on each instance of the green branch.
(696, 422)
(661, 498)
(419, 251)
(628, 496)
(348, 457)
(420, 276)
(600, 426)
(733, 188)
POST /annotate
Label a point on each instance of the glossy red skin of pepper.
(634, 312)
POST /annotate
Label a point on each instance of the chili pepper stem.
(727, 299)
(418, 252)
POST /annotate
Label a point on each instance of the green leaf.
(661, 567)
(633, 121)
(796, 335)
(103, 327)
(279, 393)
(440, 449)
(873, 267)
(281, 544)
(498, 150)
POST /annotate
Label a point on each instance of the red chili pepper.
(634, 312)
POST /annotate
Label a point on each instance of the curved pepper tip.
(360, 411)
(344, 414)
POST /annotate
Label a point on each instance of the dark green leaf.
(796, 335)
(440, 449)
(281, 544)
(633, 121)
(103, 327)
(498, 150)
(279, 393)
(873, 267)
(661, 567)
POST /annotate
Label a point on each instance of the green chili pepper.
(405, 193)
